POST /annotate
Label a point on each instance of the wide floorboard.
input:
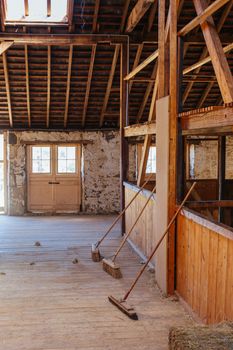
(49, 303)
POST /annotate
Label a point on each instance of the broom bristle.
(95, 253)
(129, 311)
(111, 268)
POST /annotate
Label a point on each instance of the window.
(1, 172)
(41, 160)
(66, 160)
(151, 162)
(34, 11)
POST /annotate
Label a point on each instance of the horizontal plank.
(64, 39)
(217, 118)
(140, 129)
(210, 204)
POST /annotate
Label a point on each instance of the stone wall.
(204, 159)
(100, 169)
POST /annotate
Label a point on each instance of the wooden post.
(172, 144)
(221, 171)
(180, 150)
(123, 123)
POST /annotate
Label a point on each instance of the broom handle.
(159, 242)
(123, 211)
(135, 223)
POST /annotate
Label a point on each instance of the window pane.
(45, 153)
(37, 10)
(1, 147)
(151, 163)
(70, 166)
(71, 152)
(41, 159)
(62, 152)
(66, 159)
(58, 10)
(1, 185)
(15, 9)
(36, 152)
(61, 166)
(35, 166)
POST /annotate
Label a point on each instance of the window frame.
(66, 23)
(139, 157)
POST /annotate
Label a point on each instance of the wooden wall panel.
(204, 258)
(143, 235)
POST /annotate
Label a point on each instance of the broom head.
(111, 268)
(122, 306)
(95, 253)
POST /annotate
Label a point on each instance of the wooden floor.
(47, 302)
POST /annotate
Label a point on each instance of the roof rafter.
(218, 58)
(68, 86)
(5, 67)
(205, 51)
(113, 67)
(92, 61)
(48, 86)
(27, 85)
(137, 13)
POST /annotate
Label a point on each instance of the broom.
(109, 265)
(95, 253)
(121, 304)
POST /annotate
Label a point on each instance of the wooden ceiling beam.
(48, 8)
(64, 39)
(68, 86)
(48, 87)
(218, 58)
(209, 11)
(142, 65)
(205, 51)
(137, 13)
(109, 85)
(206, 60)
(26, 8)
(207, 118)
(27, 85)
(88, 88)
(5, 68)
(219, 27)
(114, 63)
(140, 129)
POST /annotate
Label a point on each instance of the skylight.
(37, 11)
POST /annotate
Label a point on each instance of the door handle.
(54, 183)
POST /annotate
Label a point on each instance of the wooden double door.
(54, 181)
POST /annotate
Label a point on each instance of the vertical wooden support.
(221, 171)
(180, 158)
(123, 122)
(161, 47)
(172, 144)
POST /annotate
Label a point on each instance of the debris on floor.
(37, 244)
(32, 263)
(2, 273)
(75, 261)
(217, 337)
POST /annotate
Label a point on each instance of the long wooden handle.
(159, 242)
(123, 211)
(134, 224)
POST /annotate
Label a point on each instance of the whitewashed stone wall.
(204, 164)
(100, 169)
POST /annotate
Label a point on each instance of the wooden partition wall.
(143, 236)
(204, 267)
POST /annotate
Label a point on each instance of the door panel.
(54, 192)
